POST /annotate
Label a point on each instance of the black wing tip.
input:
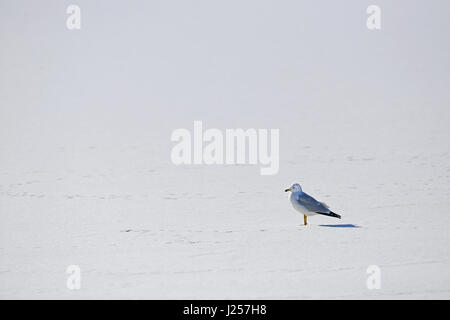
(330, 214)
(335, 215)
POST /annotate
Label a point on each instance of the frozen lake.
(86, 176)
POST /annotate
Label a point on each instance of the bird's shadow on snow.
(339, 226)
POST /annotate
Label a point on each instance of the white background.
(85, 171)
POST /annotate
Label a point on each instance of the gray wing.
(312, 204)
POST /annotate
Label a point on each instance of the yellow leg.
(304, 219)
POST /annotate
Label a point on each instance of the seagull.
(306, 204)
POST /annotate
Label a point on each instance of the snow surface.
(86, 177)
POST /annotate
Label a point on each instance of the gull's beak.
(287, 190)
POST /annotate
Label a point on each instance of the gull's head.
(294, 188)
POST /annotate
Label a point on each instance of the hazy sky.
(152, 66)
